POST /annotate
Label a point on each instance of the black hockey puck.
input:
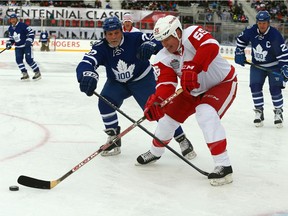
(13, 188)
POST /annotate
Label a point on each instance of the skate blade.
(25, 80)
(221, 181)
(280, 125)
(113, 152)
(38, 78)
(138, 164)
(260, 124)
(190, 155)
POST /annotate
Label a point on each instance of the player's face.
(171, 44)
(127, 25)
(263, 26)
(114, 37)
(13, 21)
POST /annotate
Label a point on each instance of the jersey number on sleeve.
(199, 34)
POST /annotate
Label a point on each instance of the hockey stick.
(259, 67)
(149, 133)
(3, 50)
(42, 184)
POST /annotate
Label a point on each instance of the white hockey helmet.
(127, 18)
(166, 26)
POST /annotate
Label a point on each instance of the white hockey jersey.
(199, 49)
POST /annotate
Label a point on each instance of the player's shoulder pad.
(162, 56)
(249, 27)
(96, 42)
(147, 36)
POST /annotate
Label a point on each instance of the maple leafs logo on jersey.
(123, 72)
(259, 53)
(16, 37)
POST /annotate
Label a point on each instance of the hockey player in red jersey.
(209, 83)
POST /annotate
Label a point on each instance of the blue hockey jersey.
(44, 37)
(268, 49)
(19, 33)
(121, 62)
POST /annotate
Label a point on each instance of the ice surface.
(48, 127)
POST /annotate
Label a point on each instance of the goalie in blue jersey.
(269, 52)
(22, 37)
(129, 73)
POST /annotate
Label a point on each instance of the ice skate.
(278, 117)
(220, 176)
(146, 158)
(37, 76)
(115, 148)
(259, 117)
(186, 147)
(25, 76)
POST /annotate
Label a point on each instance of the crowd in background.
(277, 9)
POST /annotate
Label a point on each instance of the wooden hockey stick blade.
(36, 183)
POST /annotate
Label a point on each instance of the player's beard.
(115, 43)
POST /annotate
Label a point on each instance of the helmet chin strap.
(179, 49)
(180, 42)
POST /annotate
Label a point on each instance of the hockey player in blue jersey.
(22, 36)
(126, 75)
(44, 40)
(269, 52)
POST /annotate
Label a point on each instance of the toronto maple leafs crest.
(259, 53)
(16, 37)
(123, 72)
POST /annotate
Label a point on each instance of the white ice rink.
(47, 127)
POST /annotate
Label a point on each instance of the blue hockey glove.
(284, 72)
(8, 45)
(28, 43)
(88, 82)
(240, 57)
(279, 77)
(146, 50)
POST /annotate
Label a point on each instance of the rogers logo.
(72, 44)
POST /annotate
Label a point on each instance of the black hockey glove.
(8, 45)
(146, 50)
(88, 82)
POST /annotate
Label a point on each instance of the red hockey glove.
(153, 110)
(189, 80)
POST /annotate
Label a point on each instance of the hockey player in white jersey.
(269, 52)
(209, 83)
(128, 24)
(127, 75)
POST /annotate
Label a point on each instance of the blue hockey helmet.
(112, 23)
(13, 16)
(263, 16)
